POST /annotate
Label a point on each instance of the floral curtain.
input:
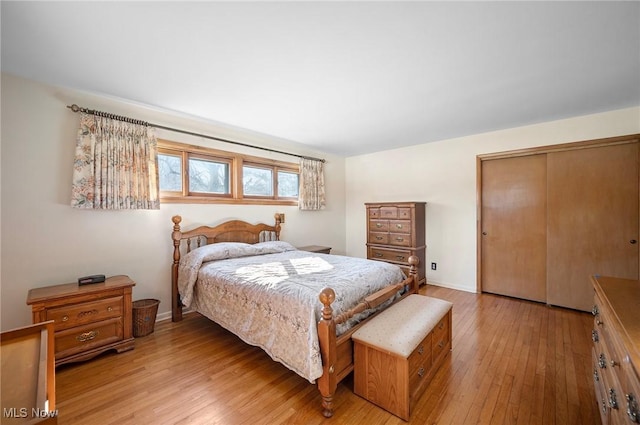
(116, 165)
(311, 196)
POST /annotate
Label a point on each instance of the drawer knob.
(441, 344)
(377, 255)
(65, 318)
(87, 336)
(602, 362)
(400, 257)
(109, 308)
(599, 322)
(399, 239)
(421, 372)
(632, 409)
(441, 325)
(594, 336)
(594, 310)
(399, 226)
(595, 374)
(421, 349)
(379, 238)
(614, 363)
(613, 402)
(378, 225)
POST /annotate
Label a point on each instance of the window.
(192, 174)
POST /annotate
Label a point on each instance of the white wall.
(46, 242)
(444, 175)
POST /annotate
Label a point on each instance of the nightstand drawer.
(72, 315)
(83, 338)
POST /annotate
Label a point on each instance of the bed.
(299, 307)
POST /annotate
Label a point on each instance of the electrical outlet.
(434, 266)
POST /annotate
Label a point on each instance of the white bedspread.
(271, 300)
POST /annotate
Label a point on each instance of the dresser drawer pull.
(65, 318)
(421, 349)
(87, 313)
(594, 336)
(632, 409)
(599, 322)
(378, 225)
(613, 402)
(400, 257)
(602, 362)
(109, 308)
(614, 363)
(604, 406)
(87, 336)
(441, 325)
(421, 372)
(594, 310)
(595, 374)
(399, 226)
(377, 255)
(441, 344)
(400, 239)
(379, 238)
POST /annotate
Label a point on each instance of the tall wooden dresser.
(396, 231)
(616, 349)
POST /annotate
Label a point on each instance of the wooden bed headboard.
(229, 231)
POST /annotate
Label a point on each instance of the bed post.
(328, 382)
(176, 304)
(278, 218)
(413, 272)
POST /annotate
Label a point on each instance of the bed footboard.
(329, 347)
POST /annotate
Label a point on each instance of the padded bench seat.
(397, 352)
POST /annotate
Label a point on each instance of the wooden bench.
(397, 352)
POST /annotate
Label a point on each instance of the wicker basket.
(144, 316)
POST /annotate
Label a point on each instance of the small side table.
(316, 248)
(89, 319)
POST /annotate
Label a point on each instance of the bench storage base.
(397, 353)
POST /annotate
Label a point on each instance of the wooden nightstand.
(89, 319)
(316, 248)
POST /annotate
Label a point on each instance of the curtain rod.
(76, 108)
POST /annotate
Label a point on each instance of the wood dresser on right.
(396, 231)
(616, 349)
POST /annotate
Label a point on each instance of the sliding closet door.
(592, 228)
(513, 229)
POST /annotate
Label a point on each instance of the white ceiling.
(344, 77)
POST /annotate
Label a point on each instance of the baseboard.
(451, 286)
(167, 315)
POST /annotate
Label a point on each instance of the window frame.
(236, 163)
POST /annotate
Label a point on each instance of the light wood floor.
(513, 362)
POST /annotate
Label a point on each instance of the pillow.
(222, 251)
(272, 247)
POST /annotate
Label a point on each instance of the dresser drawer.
(82, 338)
(379, 238)
(399, 239)
(71, 315)
(393, 255)
(400, 226)
(388, 212)
(379, 225)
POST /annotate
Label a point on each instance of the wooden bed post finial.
(277, 226)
